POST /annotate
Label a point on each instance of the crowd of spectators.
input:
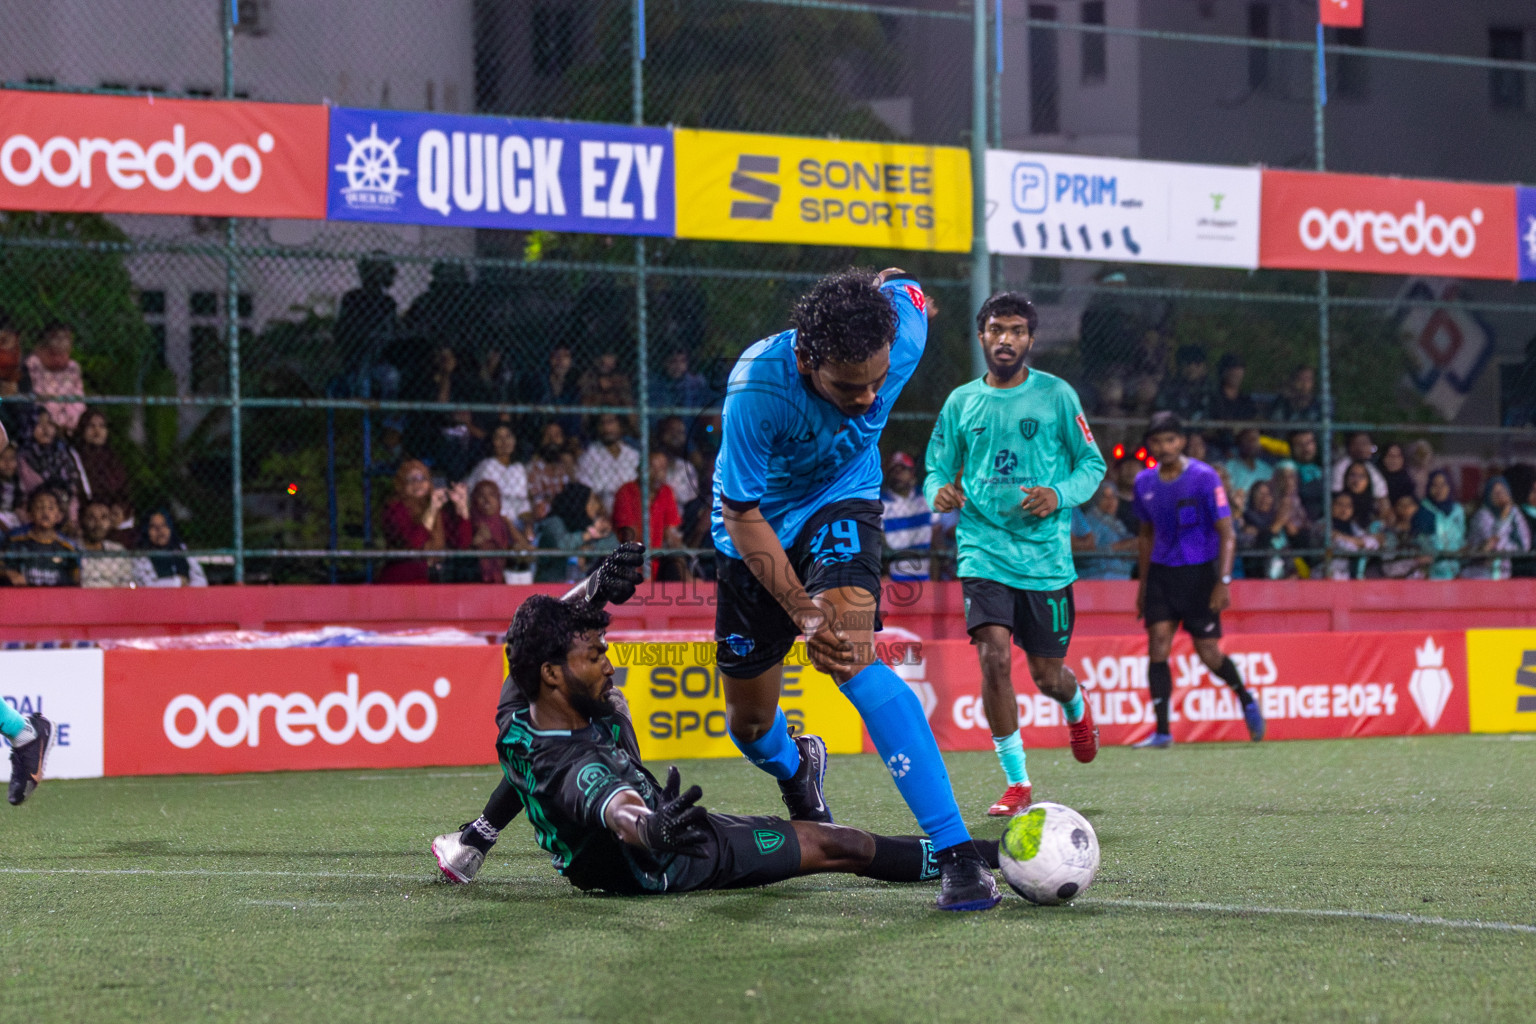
(66, 518)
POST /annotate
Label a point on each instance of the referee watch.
(1227, 578)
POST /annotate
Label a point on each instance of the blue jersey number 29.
(845, 542)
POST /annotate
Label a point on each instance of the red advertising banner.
(126, 154)
(1311, 686)
(1341, 13)
(213, 712)
(1312, 221)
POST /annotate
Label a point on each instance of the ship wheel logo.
(372, 170)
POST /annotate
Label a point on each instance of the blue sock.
(11, 722)
(1010, 751)
(774, 751)
(894, 717)
(1074, 707)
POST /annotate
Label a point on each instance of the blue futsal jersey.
(792, 451)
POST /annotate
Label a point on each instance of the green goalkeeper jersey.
(1000, 440)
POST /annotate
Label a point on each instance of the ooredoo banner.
(1311, 686)
(398, 167)
(66, 688)
(212, 712)
(127, 154)
(778, 188)
(1315, 221)
(1125, 211)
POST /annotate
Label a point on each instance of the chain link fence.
(262, 383)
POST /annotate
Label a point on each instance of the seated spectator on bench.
(510, 478)
(1097, 527)
(1497, 526)
(13, 500)
(577, 521)
(666, 517)
(1265, 530)
(97, 569)
(166, 563)
(104, 476)
(62, 568)
(491, 531)
(54, 372)
(1349, 536)
(421, 517)
(1441, 526)
(48, 461)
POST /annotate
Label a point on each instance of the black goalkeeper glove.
(678, 826)
(615, 578)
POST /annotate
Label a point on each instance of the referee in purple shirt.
(1185, 555)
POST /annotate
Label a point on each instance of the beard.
(587, 706)
(1002, 370)
(550, 453)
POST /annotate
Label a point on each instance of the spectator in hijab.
(1266, 529)
(421, 517)
(1440, 527)
(56, 562)
(53, 371)
(1349, 537)
(1393, 465)
(1411, 563)
(166, 563)
(105, 477)
(1522, 484)
(13, 500)
(1498, 527)
(492, 531)
(47, 461)
(98, 566)
(577, 521)
(1365, 508)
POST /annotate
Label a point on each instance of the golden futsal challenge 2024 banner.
(776, 188)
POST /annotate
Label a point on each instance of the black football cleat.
(802, 790)
(28, 760)
(965, 881)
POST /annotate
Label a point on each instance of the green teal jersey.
(999, 441)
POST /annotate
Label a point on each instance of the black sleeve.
(586, 784)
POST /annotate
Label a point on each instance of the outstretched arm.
(614, 580)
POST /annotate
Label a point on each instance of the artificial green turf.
(329, 909)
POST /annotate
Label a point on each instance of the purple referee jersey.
(1183, 513)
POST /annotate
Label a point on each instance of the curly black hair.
(845, 318)
(1006, 304)
(544, 630)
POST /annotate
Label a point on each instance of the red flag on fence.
(1341, 13)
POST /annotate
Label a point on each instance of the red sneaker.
(1085, 736)
(1015, 800)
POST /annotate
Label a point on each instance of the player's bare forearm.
(760, 549)
(626, 817)
(1228, 538)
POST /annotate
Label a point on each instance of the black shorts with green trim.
(1040, 620)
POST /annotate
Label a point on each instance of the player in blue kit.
(1186, 550)
(797, 533)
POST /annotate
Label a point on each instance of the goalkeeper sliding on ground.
(568, 752)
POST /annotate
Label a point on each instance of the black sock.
(902, 859)
(988, 850)
(1160, 682)
(500, 809)
(1227, 673)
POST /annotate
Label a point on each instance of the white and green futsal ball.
(1049, 854)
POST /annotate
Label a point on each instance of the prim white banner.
(66, 688)
(1122, 211)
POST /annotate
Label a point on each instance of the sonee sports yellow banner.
(1501, 673)
(677, 700)
(777, 188)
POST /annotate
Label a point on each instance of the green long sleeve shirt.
(999, 441)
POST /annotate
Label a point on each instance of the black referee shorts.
(839, 546)
(1182, 594)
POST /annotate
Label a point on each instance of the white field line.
(1356, 915)
(1209, 908)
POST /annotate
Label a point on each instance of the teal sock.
(1010, 751)
(1074, 707)
(12, 724)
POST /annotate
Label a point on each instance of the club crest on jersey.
(1004, 462)
(1029, 428)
